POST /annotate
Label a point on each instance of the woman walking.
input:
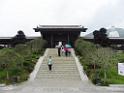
(50, 63)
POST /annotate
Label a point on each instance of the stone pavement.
(64, 78)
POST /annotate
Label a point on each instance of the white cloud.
(27, 14)
(108, 15)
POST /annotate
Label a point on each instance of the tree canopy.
(20, 38)
(100, 37)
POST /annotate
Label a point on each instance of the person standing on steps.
(50, 63)
(59, 51)
(62, 50)
(59, 48)
(66, 51)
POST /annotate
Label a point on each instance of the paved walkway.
(64, 78)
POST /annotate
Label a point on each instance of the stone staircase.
(64, 69)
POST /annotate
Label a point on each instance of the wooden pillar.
(68, 37)
(51, 41)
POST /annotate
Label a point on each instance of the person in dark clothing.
(66, 51)
(59, 51)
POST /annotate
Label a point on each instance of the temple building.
(56, 33)
(6, 42)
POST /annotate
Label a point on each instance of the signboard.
(121, 69)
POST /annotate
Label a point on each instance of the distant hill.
(112, 33)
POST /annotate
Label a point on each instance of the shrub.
(96, 60)
(37, 45)
(17, 63)
(11, 60)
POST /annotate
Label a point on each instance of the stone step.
(59, 62)
(47, 72)
(59, 65)
(59, 74)
(58, 77)
(59, 81)
(56, 54)
(62, 74)
(60, 59)
(49, 78)
(56, 73)
(60, 69)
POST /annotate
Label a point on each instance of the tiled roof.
(60, 26)
(12, 37)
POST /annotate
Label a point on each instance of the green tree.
(102, 57)
(20, 38)
(100, 37)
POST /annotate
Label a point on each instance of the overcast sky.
(26, 14)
